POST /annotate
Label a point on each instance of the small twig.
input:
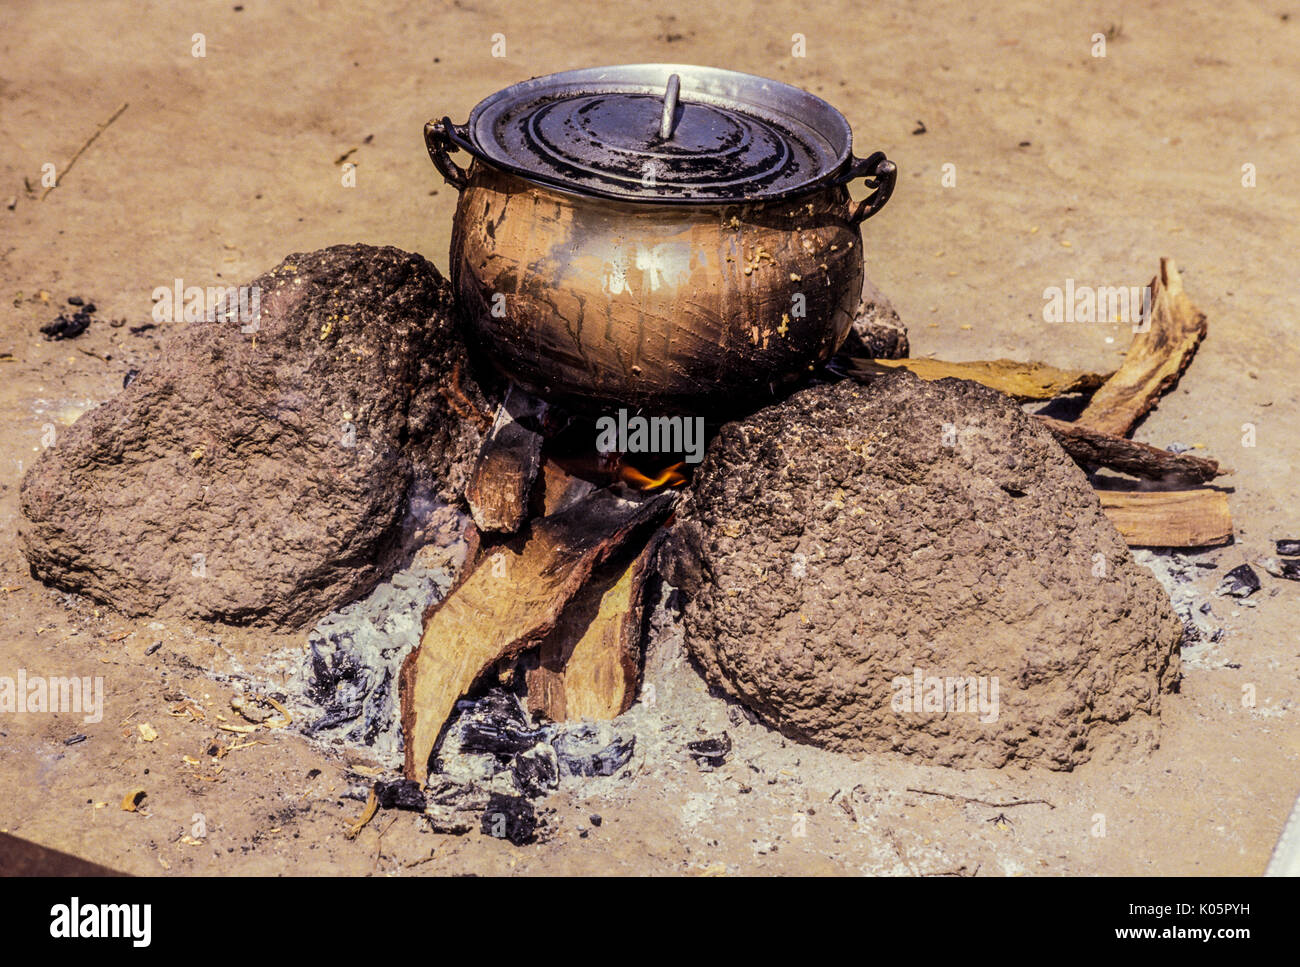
(89, 141)
(982, 802)
(959, 871)
(372, 807)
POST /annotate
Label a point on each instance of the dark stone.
(1288, 547)
(263, 476)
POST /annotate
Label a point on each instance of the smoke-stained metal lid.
(661, 132)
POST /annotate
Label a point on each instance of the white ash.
(345, 688)
(1179, 574)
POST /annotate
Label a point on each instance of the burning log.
(1175, 518)
(1156, 358)
(1092, 448)
(510, 601)
(592, 672)
(507, 465)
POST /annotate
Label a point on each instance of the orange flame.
(668, 477)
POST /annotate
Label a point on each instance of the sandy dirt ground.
(1067, 166)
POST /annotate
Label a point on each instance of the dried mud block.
(918, 567)
(259, 470)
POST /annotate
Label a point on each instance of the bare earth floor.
(1067, 166)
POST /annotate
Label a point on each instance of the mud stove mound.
(917, 567)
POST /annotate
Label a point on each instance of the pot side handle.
(440, 138)
(880, 174)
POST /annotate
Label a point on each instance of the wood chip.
(372, 807)
(1155, 360)
(1172, 518)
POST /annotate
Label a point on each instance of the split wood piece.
(1094, 449)
(507, 465)
(589, 667)
(1020, 381)
(509, 603)
(1155, 360)
(559, 489)
(1173, 518)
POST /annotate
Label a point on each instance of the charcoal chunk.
(710, 753)
(496, 724)
(66, 327)
(1281, 568)
(510, 817)
(537, 770)
(1240, 582)
(400, 794)
(581, 753)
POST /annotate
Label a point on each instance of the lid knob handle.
(670, 107)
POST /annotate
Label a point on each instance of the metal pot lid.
(661, 132)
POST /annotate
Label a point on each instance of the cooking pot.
(664, 237)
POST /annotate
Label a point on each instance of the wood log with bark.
(589, 666)
(1092, 449)
(508, 461)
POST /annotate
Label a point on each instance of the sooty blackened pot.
(678, 239)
